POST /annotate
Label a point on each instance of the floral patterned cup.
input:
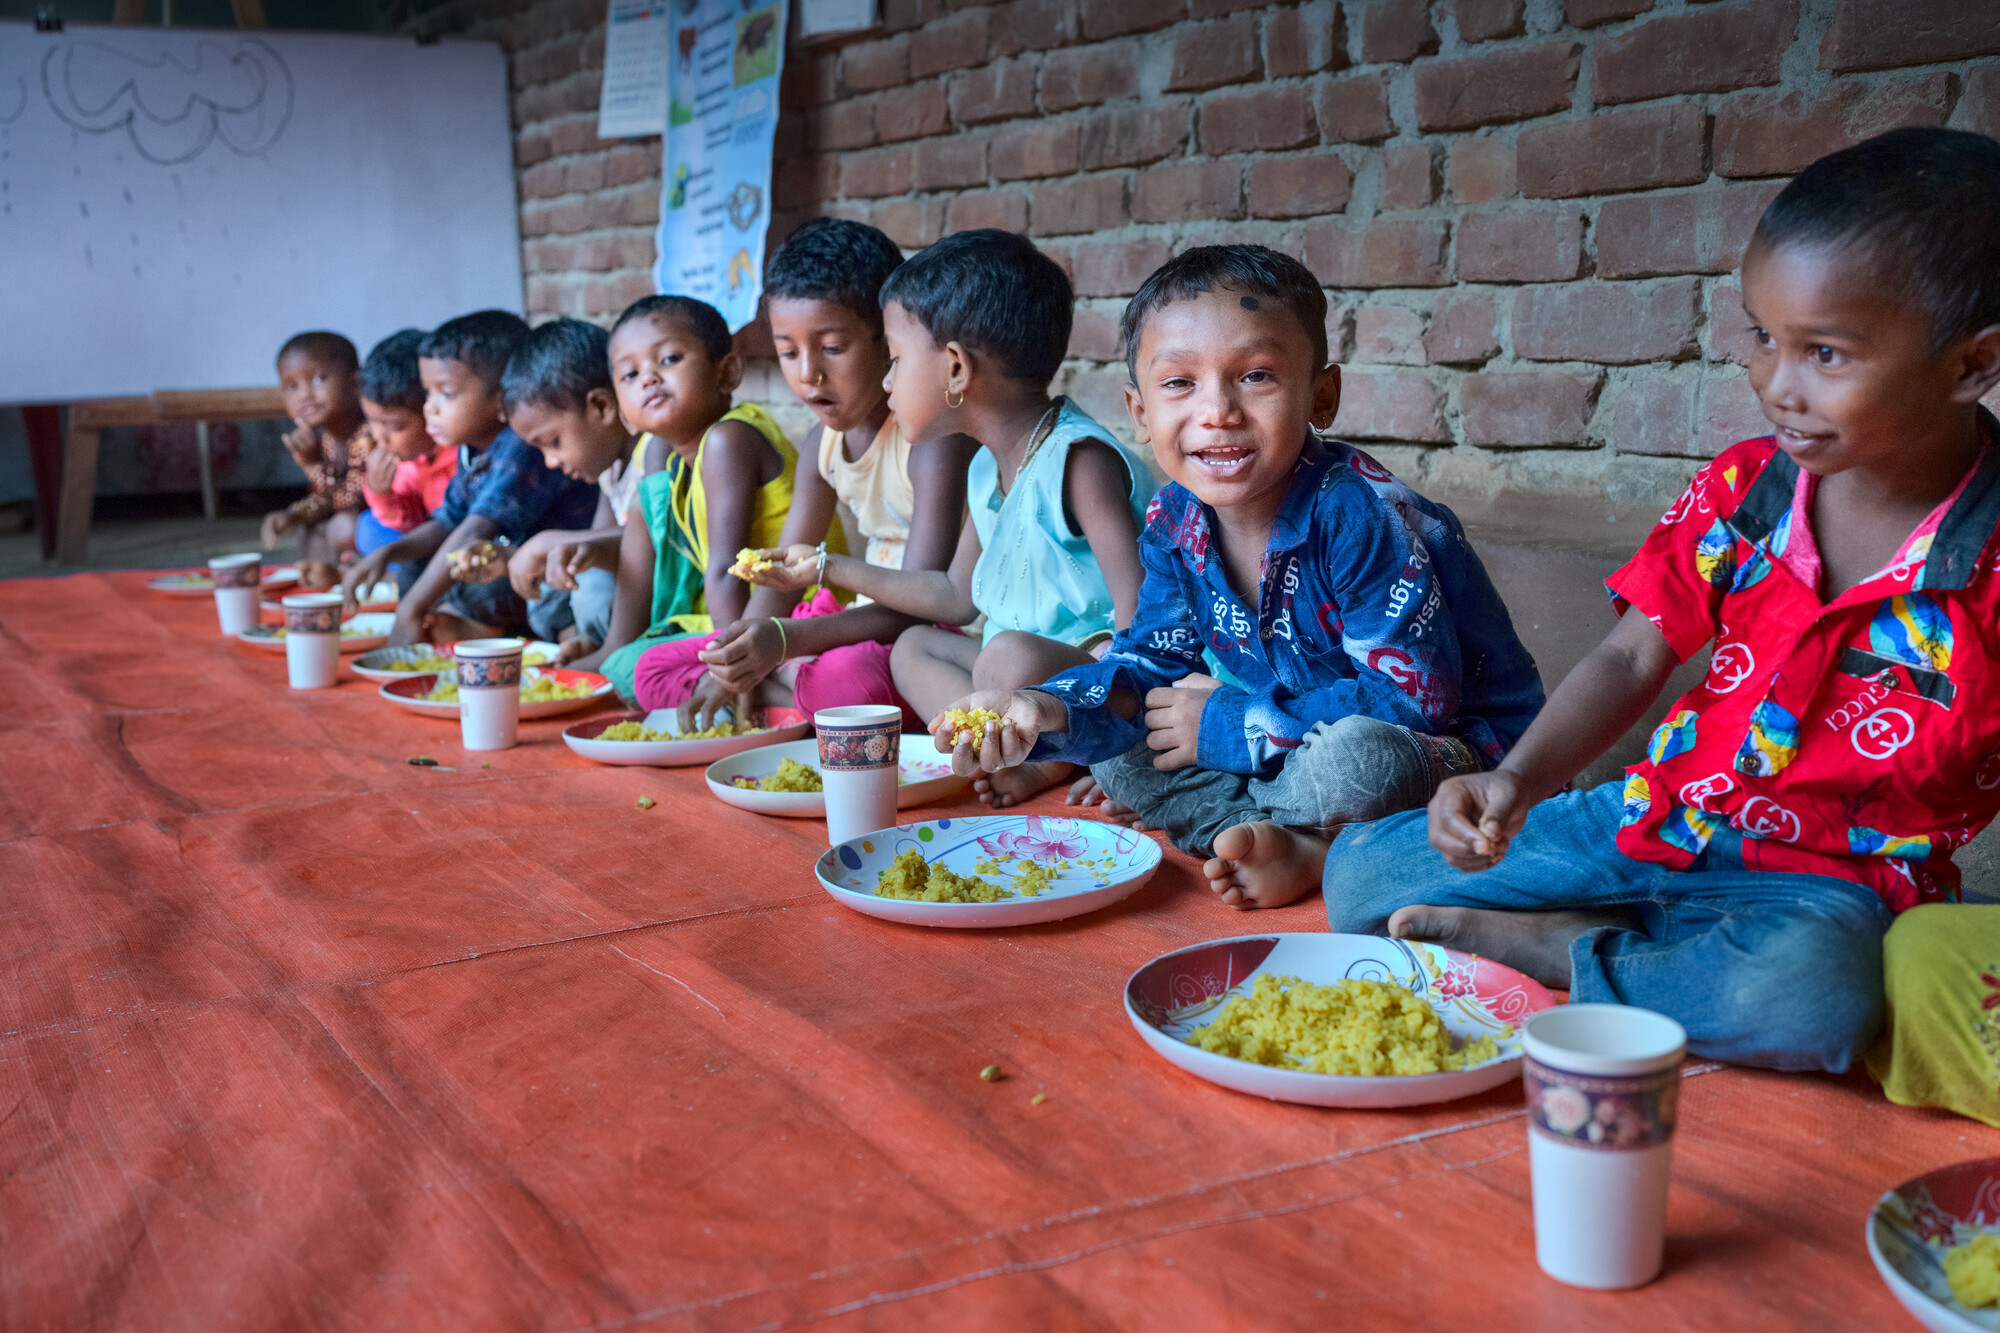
(312, 639)
(238, 580)
(860, 751)
(1603, 1084)
(489, 692)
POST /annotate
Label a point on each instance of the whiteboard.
(174, 204)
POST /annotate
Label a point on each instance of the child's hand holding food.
(304, 444)
(478, 562)
(1475, 816)
(276, 524)
(994, 729)
(365, 572)
(787, 568)
(528, 567)
(380, 472)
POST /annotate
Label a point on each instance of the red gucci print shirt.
(1858, 738)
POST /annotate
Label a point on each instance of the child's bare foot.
(1536, 943)
(1086, 791)
(1264, 865)
(1012, 785)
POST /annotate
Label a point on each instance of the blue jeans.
(588, 608)
(371, 533)
(1778, 970)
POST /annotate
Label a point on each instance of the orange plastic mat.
(296, 1036)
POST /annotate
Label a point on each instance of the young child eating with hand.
(1374, 657)
(407, 474)
(1846, 737)
(320, 378)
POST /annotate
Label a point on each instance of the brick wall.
(1526, 211)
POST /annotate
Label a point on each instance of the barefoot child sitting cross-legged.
(1374, 656)
(1846, 738)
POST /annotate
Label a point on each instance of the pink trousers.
(857, 673)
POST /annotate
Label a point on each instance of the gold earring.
(954, 406)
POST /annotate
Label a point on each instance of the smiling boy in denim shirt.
(1374, 657)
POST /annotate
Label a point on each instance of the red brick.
(1704, 232)
(910, 223)
(1390, 405)
(1409, 176)
(1775, 134)
(1299, 187)
(1001, 91)
(1526, 244)
(1080, 204)
(1401, 253)
(1729, 414)
(1188, 192)
(632, 163)
(1485, 20)
(1979, 104)
(1880, 34)
(1355, 109)
(1115, 268)
(871, 175)
(1513, 83)
(958, 42)
(1654, 415)
(902, 15)
(1613, 150)
(868, 66)
(945, 164)
(1088, 75)
(805, 182)
(1032, 25)
(1034, 148)
(1590, 13)
(584, 175)
(1093, 335)
(1304, 40)
(1462, 329)
(1100, 392)
(1615, 323)
(1005, 209)
(1394, 30)
(1480, 170)
(1115, 18)
(914, 111)
(1266, 119)
(1708, 50)
(1728, 326)
(543, 181)
(811, 80)
(530, 147)
(1528, 408)
(1389, 334)
(578, 134)
(1208, 55)
(1131, 136)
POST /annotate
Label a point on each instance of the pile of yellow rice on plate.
(1351, 1027)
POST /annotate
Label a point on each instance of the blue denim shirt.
(508, 483)
(1371, 602)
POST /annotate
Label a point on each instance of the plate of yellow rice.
(1936, 1242)
(784, 779)
(984, 871)
(545, 692)
(424, 659)
(364, 632)
(655, 739)
(1336, 1020)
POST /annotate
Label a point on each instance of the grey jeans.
(1348, 771)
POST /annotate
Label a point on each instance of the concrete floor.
(144, 543)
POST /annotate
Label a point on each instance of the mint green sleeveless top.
(1033, 573)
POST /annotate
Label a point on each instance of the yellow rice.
(1350, 1027)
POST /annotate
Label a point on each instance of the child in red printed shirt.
(1847, 736)
(408, 473)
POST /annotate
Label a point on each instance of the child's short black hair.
(481, 342)
(994, 292)
(832, 259)
(557, 366)
(389, 375)
(329, 349)
(1922, 205)
(710, 328)
(1252, 270)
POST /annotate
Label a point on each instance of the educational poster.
(633, 99)
(716, 178)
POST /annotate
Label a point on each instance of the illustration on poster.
(756, 53)
(746, 205)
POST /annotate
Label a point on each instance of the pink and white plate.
(849, 871)
(1178, 992)
(198, 583)
(781, 724)
(1912, 1226)
(925, 779)
(409, 693)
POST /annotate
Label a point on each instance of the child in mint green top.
(977, 325)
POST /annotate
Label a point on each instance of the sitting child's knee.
(1005, 662)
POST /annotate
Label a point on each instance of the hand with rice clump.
(479, 562)
(994, 729)
(786, 568)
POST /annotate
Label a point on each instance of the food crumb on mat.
(423, 761)
(1038, 1099)
(991, 1073)
(645, 803)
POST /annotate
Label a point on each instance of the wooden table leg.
(79, 489)
(205, 464)
(45, 450)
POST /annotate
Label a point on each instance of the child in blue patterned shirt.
(1373, 656)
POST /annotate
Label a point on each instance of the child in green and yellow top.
(727, 483)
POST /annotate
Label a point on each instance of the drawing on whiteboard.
(9, 116)
(171, 112)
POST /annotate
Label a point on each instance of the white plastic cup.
(489, 692)
(860, 753)
(238, 583)
(1603, 1083)
(312, 639)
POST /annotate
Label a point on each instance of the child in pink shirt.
(407, 473)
